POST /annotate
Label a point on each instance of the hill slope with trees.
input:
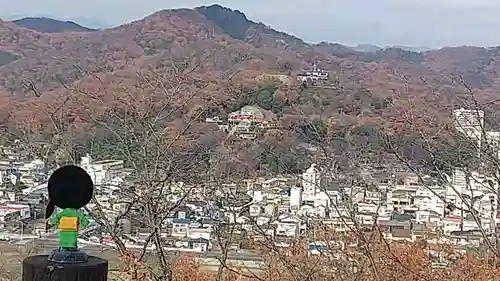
(205, 43)
(142, 93)
(48, 25)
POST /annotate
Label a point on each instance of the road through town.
(47, 244)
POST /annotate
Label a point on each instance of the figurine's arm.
(83, 220)
(54, 219)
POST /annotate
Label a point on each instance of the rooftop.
(176, 220)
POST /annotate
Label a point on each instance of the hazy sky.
(432, 23)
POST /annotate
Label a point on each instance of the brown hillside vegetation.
(172, 39)
(142, 92)
(161, 43)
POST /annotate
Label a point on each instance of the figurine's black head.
(69, 187)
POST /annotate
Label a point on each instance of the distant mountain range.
(160, 42)
(48, 25)
(369, 48)
(83, 21)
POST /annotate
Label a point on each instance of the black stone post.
(39, 268)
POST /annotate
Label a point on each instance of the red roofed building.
(13, 212)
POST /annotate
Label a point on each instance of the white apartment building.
(295, 198)
(493, 141)
(477, 191)
(311, 181)
(102, 171)
(465, 119)
(457, 223)
(430, 199)
(470, 122)
(32, 167)
(289, 225)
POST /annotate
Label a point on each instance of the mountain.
(6, 58)
(48, 25)
(235, 24)
(204, 45)
(417, 49)
(367, 48)
(91, 23)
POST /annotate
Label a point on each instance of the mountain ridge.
(238, 26)
(49, 25)
(370, 48)
(175, 39)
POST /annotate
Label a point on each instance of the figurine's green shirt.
(68, 239)
(83, 221)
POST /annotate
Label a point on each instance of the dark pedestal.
(38, 268)
(68, 256)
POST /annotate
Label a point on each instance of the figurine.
(70, 189)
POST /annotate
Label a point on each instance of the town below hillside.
(217, 142)
(282, 208)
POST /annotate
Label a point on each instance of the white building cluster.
(21, 191)
(470, 122)
(313, 75)
(103, 171)
(405, 206)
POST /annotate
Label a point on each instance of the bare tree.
(459, 146)
(154, 127)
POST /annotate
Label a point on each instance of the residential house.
(366, 213)
(339, 223)
(196, 232)
(467, 223)
(289, 226)
(180, 227)
(307, 211)
(427, 216)
(270, 209)
(374, 197)
(263, 232)
(400, 198)
(206, 222)
(13, 213)
(262, 219)
(315, 74)
(321, 199)
(466, 238)
(248, 113)
(200, 244)
(245, 223)
(322, 211)
(400, 227)
(426, 231)
(182, 242)
(182, 212)
(255, 209)
(430, 198)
